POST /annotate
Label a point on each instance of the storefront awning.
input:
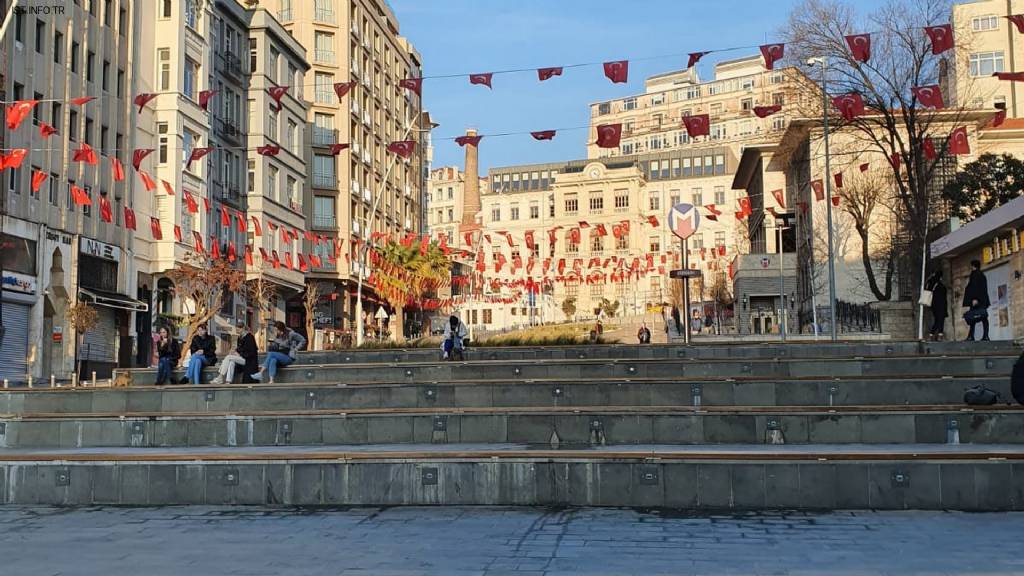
(113, 300)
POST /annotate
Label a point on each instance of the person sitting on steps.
(644, 334)
(454, 334)
(281, 352)
(245, 355)
(169, 352)
(204, 353)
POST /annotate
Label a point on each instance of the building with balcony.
(55, 253)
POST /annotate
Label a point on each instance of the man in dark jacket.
(245, 355)
(976, 300)
(204, 353)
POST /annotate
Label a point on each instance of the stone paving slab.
(459, 541)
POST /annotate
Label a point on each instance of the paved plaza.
(198, 541)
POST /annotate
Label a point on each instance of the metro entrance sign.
(681, 274)
(683, 221)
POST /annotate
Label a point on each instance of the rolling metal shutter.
(98, 345)
(14, 348)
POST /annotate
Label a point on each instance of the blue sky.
(463, 36)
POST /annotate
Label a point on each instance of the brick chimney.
(471, 205)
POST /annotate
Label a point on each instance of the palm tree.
(405, 272)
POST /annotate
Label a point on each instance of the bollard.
(774, 435)
(30, 381)
(93, 381)
(953, 432)
(53, 381)
(5, 383)
(696, 391)
(74, 379)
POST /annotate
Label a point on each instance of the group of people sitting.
(203, 349)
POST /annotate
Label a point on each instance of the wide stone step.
(738, 350)
(555, 427)
(886, 477)
(499, 393)
(681, 369)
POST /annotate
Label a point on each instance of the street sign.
(683, 220)
(680, 274)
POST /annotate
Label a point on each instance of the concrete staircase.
(823, 426)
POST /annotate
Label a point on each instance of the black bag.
(980, 396)
(1017, 380)
(975, 315)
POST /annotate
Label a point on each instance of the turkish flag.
(653, 221)
(602, 231)
(197, 241)
(190, 202)
(471, 140)
(958, 142)
(1000, 116)
(204, 98)
(79, 197)
(84, 154)
(745, 206)
(838, 176)
(819, 190)
(766, 111)
(694, 58)
(117, 168)
(929, 149)
(860, 46)
(1011, 76)
(14, 159)
(609, 135)
(38, 177)
(413, 84)
(45, 130)
(241, 222)
(139, 155)
(276, 94)
(268, 150)
(468, 238)
(403, 148)
(780, 197)
(574, 236)
(1018, 21)
(106, 213)
(896, 160)
(232, 255)
(263, 254)
(177, 233)
(142, 99)
(154, 228)
(337, 148)
(225, 217)
(617, 71)
(529, 239)
(288, 260)
(147, 181)
(197, 154)
(302, 262)
(697, 125)
(546, 73)
(772, 53)
(849, 105)
(167, 187)
(82, 101)
(17, 112)
(864, 167)
(343, 88)
(482, 79)
(941, 37)
(561, 265)
(248, 255)
(929, 96)
(543, 135)
(129, 218)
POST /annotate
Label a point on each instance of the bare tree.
(82, 317)
(895, 129)
(205, 283)
(309, 301)
(868, 200)
(260, 294)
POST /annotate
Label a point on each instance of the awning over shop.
(113, 300)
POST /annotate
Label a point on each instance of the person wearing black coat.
(169, 352)
(976, 300)
(939, 306)
(204, 353)
(245, 355)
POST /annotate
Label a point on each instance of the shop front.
(18, 297)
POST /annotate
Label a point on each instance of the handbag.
(926, 298)
(975, 315)
(980, 396)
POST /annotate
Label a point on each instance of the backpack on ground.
(980, 396)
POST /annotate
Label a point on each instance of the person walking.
(644, 334)
(939, 305)
(245, 355)
(204, 353)
(454, 333)
(976, 301)
(677, 320)
(168, 353)
(282, 351)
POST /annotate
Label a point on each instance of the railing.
(325, 15)
(325, 95)
(324, 221)
(850, 318)
(324, 56)
(232, 64)
(284, 15)
(329, 181)
(324, 136)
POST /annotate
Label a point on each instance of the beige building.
(442, 202)
(54, 252)
(356, 41)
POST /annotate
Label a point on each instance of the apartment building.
(443, 202)
(357, 41)
(56, 253)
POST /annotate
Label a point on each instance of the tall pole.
(686, 297)
(3, 195)
(828, 202)
(782, 290)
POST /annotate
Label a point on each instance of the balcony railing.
(329, 181)
(325, 95)
(324, 136)
(325, 221)
(232, 64)
(326, 16)
(324, 56)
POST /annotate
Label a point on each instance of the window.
(604, 108)
(698, 241)
(984, 23)
(534, 211)
(654, 201)
(676, 172)
(720, 195)
(674, 198)
(629, 104)
(272, 122)
(90, 66)
(596, 290)
(122, 22)
(74, 56)
(324, 171)
(572, 204)
(40, 35)
(779, 99)
(720, 164)
(57, 115)
(104, 136)
(747, 104)
(161, 130)
(324, 92)
(658, 99)
(655, 244)
(720, 238)
(52, 189)
(487, 316)
(273, 173)
(19, 26)
(105, 80)
(324, 47)
(622, 242)
(451, 215)
(37, 110)
(495, 213)
(164, 56)
(986, 63)
(73, 126)
(108, 19)
(450, 192)
(654, 169)
(58, 47)
(596, 203)
(514, 215)
(191, 78)
(621, 200)
(697, 194)
(323, 212)
(188, 141)
(291, 188)
(87, 209)
(252, 55)
(572, 290)
(120, 83)
(292, 137)
(190, 13)
(272, 64)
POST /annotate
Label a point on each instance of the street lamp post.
(828, 194)
(367, 234)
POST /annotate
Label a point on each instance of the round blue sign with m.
(684, 220)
